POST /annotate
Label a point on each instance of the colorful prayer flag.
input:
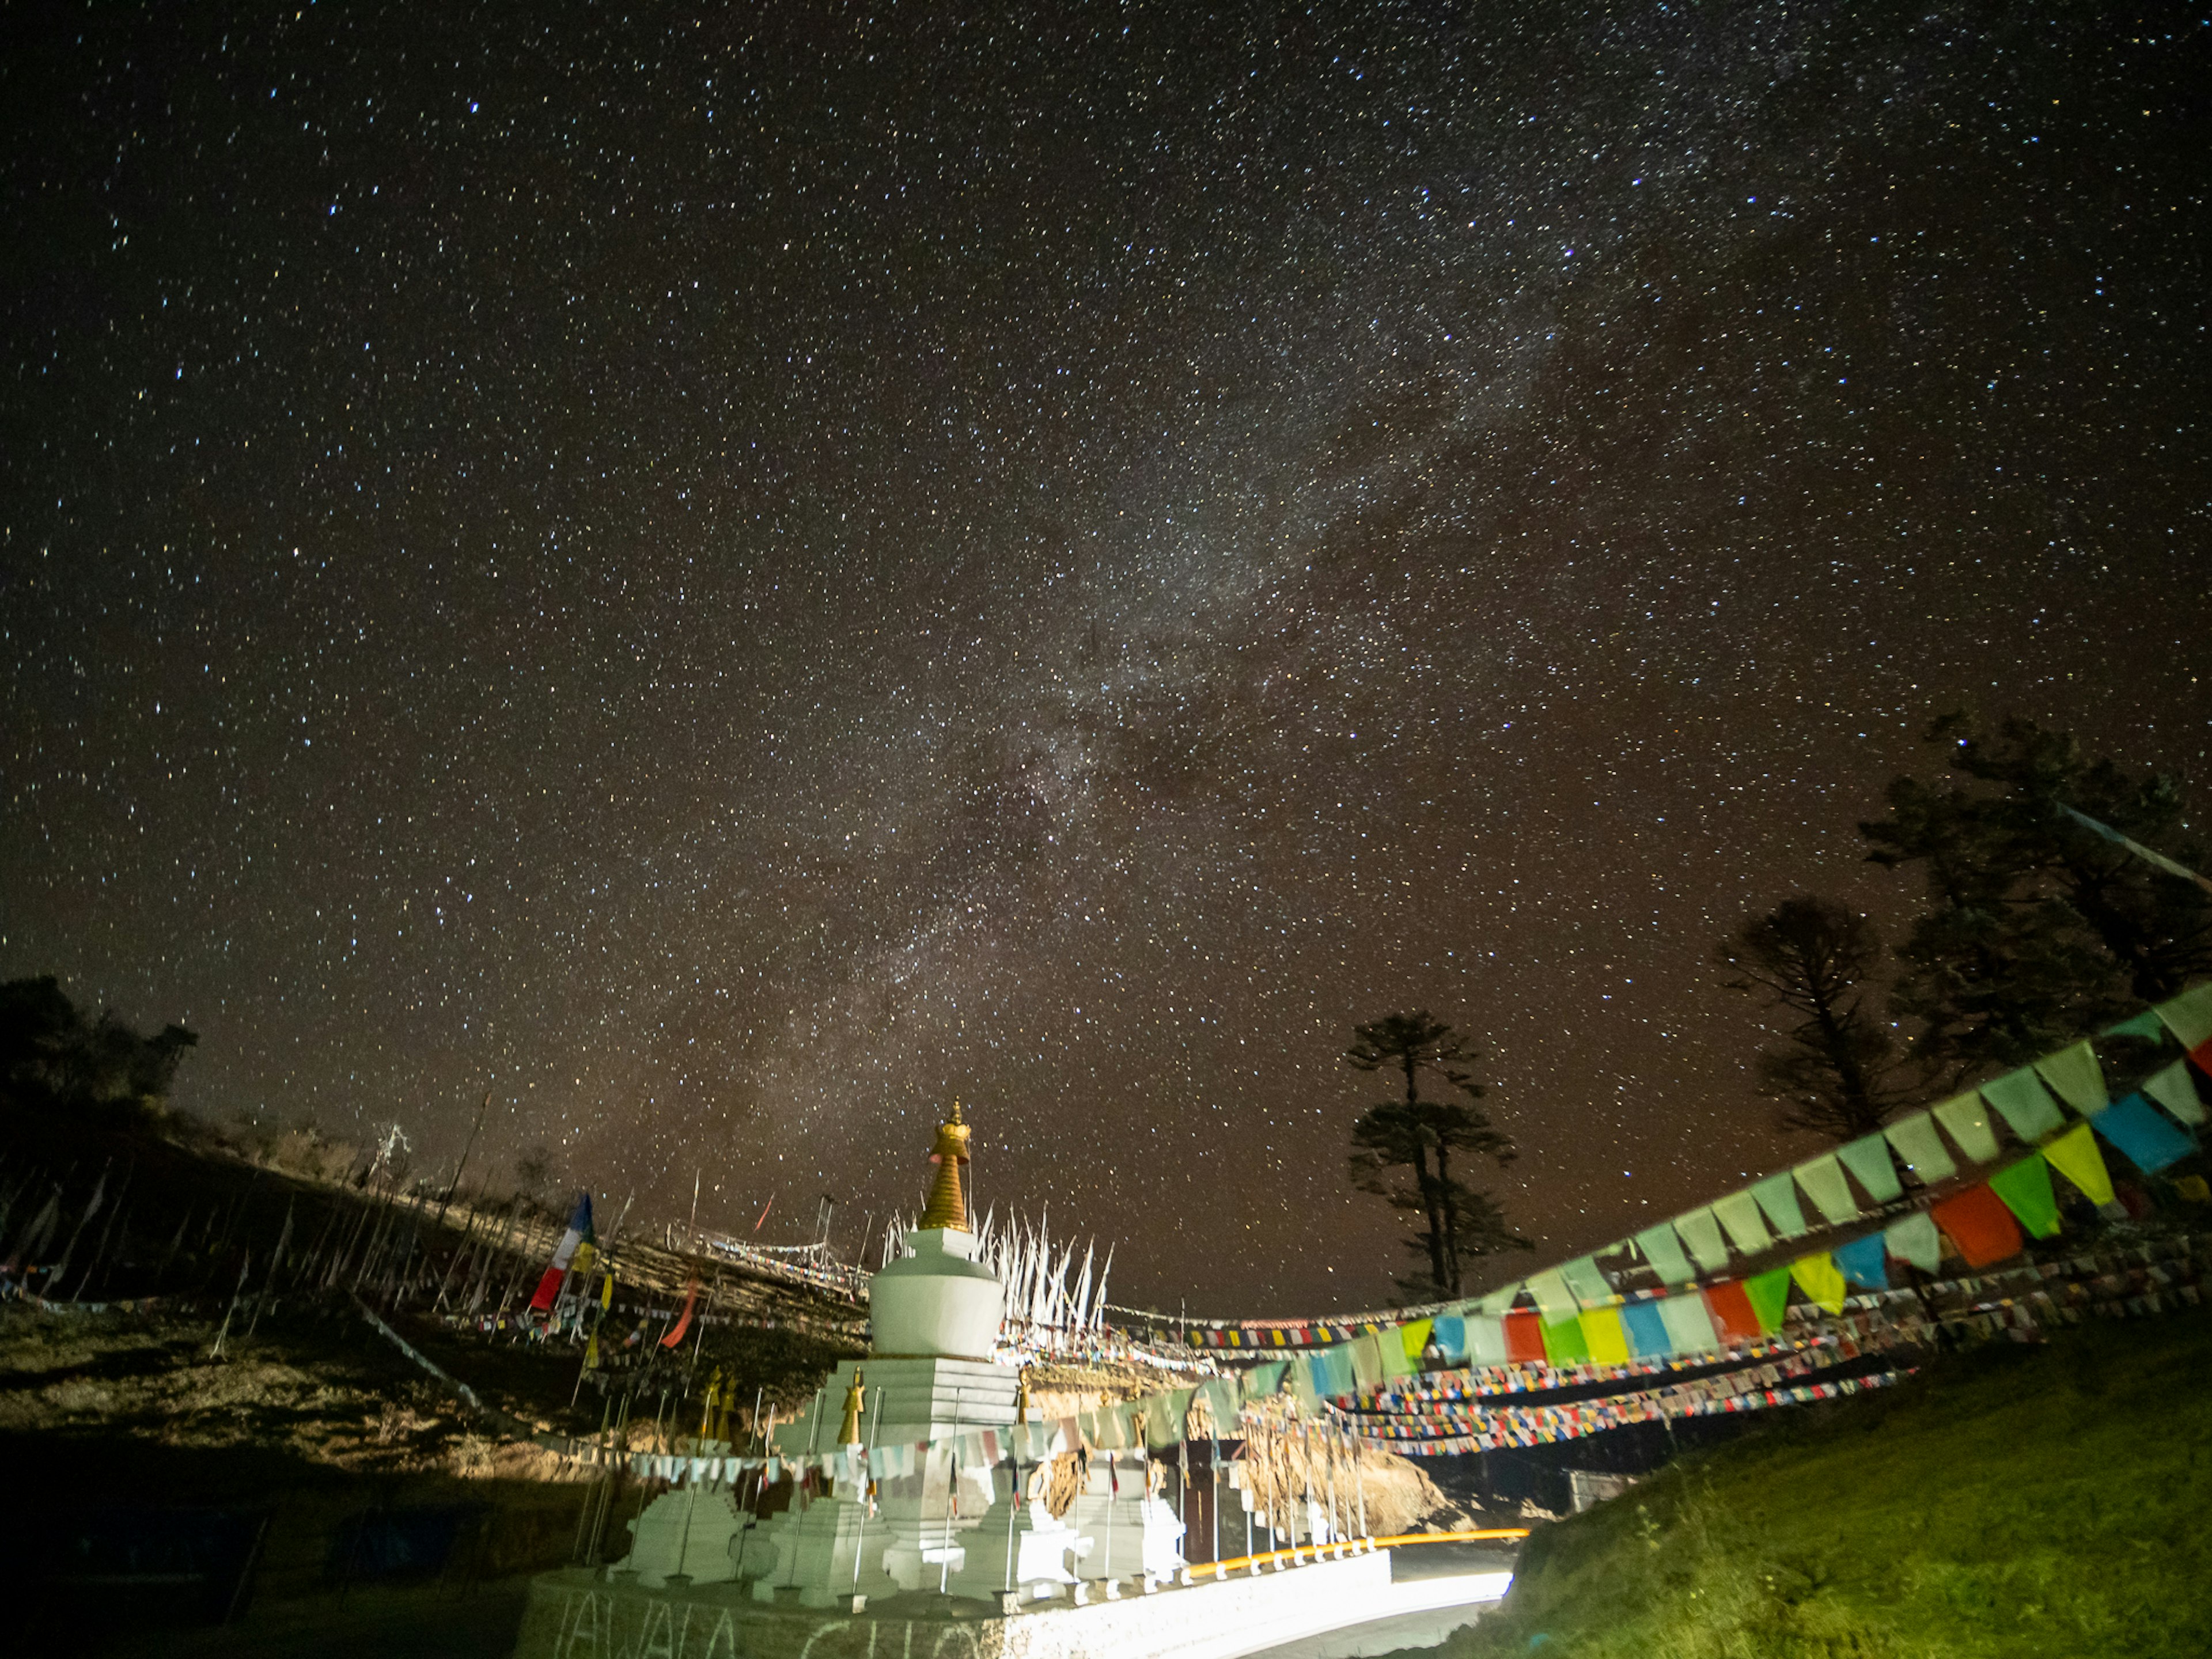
(1821, 1280)
(1862, 1261)
(683, 1319)
(2073, 1071)
(1647, 1330)
(1769, 1294)
(1916, 1142)
(1868, 1157)
(1913, 1238)
(1824, 1182)
(1663, 1251)
(1777, 1196)
(579, 1232)
(1689, 1327)
(2176, 1090)
(1969, 1124)
(2188, 1016)
(2026, 1189)
(2024, 1103)
(2148, 1139)
(1739, 1213)
(1603, 1336)
(1732, 1312)
(1978, 1222)
(1702, 1233)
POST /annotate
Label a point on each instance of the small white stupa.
(934, 1316)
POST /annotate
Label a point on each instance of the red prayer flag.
(1980, 1225)
(1524, 1337)
(1732, 1312)
(683, 1320)
(2202, 1053)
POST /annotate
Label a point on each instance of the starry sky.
(728, 574)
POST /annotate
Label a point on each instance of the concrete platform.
(576, 1614)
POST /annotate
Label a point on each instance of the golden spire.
(848, 1433)
(1022, 1395)
(946, 1208)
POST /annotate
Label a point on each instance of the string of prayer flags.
(1564, 1344)
(1824, 1182)
(1978, 1222)
(1586, 1283)
(2176, 1090)
(1733, 1314)
(1777, 1196)
(1868, 1157)
(1647, 1330)
(2073, 1073)
(1913, 1238)
(1969, 1125)
(1663, 1251)
(1769, 1294)
(1603, 1336)
(1702, 1233)
(1821, 1280)
(1916, 1141)
(1739, 1213)
(2189, 1017)
(1689, 1327)
(1862, 1261)
(2145, 1136)
(2024, 1103)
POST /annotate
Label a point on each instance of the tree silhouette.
(1815, 958)
(2037, 928)
(1454, 1222)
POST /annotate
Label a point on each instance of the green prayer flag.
(1586, 1283)
(2176, 1090)
(1367, 1363)
(2026, 1189)
(1486, 1339)
(1969, 1127)
(2146, 1024)
(1689, 1326)
(2188, 1016)
(1702, 1235)
(1563, 1342)
(1163, 1417)
(1821, 1280)
(1739, 1213)
(1770, 1298)
(1264, 1380)
(2024, 1103)
(1498, 1301)
(1554, 1300)
(1913, 1238)
(1305, 1387)
(1868, 1157)
(2075, 1155)
(2075, 1074)
(1663, 1251)
(1916, 1142)
(1777, 1196)
(1824, 1182)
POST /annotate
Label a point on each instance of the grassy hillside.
(2023, 1502)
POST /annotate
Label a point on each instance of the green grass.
(2022, 1502)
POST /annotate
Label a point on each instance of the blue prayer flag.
(1862, 1260)
(2149, 1139)
(1647, 1331)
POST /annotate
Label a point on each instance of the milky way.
(729, 581)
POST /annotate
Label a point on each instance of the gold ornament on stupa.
(947, 1207)
(849, 1431)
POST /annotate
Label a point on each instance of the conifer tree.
(1453, 1221)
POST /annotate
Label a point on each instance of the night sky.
(730, 577)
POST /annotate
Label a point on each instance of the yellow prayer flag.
(2075, 1155)
(1605, 1338)
(1821, 1280)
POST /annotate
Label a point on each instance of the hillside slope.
(2032, 1503)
